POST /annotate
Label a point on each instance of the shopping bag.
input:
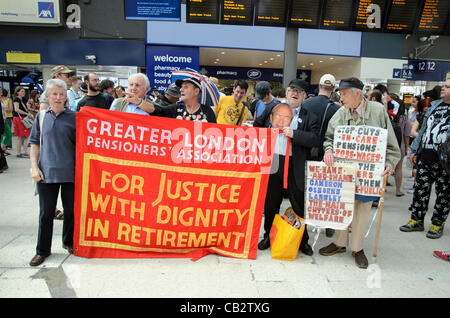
(285, 236)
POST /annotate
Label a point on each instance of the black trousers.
(274, 197)
(427, 174)
(48, 197)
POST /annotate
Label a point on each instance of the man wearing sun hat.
(357, 111)
(188, 107)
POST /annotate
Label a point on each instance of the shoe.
(37, 260)
(435, 231)
(329, 232)
(25, 155)
(68, 248)
(306, 249)
(59, 215)
(331, 250)
(264, 244)
(445, 255)
(360, 259)
(412, 226)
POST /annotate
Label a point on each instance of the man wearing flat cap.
(357, 111)
(302, 133)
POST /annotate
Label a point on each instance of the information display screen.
(236, 12)
(271, 13)
(202, 11)
(402, 16)
(167, 10)
(369, 15)
(434, 16)
(304, 13)
(337, 15)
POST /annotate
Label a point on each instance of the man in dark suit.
(303, 134)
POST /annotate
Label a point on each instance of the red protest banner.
(157, 187)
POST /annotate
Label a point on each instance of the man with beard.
(93, 98)
(303, 134)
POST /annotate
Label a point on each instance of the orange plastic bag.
(285, 238)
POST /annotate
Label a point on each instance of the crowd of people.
(307, 123)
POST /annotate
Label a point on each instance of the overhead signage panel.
(337, 15)
(434, 17)
(271, 13)
(403, 16)
(369, 15)
(202, 11)
(304, 13)
(167, 10)
(237, 12)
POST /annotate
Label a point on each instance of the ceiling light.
(320, 61)
(217, 60)
(222, 52)
(303, 66)
(265, 61)
(311, 64)
(271, 58)
(260, 64)
(278, 55)
(331, 58)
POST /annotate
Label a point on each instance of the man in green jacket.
(357, 111)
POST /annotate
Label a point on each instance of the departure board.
(369, 15)
(337, 15)
(271, 13)
(402, 16)
(202, 11)
(304, 13)
(237, 12)
(434, 16)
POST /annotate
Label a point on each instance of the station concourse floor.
(404, 267)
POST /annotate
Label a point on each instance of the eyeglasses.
(295, 90)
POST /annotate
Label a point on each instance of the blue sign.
(46, 10)
(162, 60)
(251, 74)
(397, 73)
(407, 71)
(428, 70)
(163, 10)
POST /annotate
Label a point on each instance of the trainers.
(435, 231)
(445, 255)
(412, 226)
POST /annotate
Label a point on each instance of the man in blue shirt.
(52, 157)
(263, 92)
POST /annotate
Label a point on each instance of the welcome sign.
(158, 187)
(163, 60)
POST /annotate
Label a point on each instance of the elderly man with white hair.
(136, 100)
(357, 111)
(52, 157)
